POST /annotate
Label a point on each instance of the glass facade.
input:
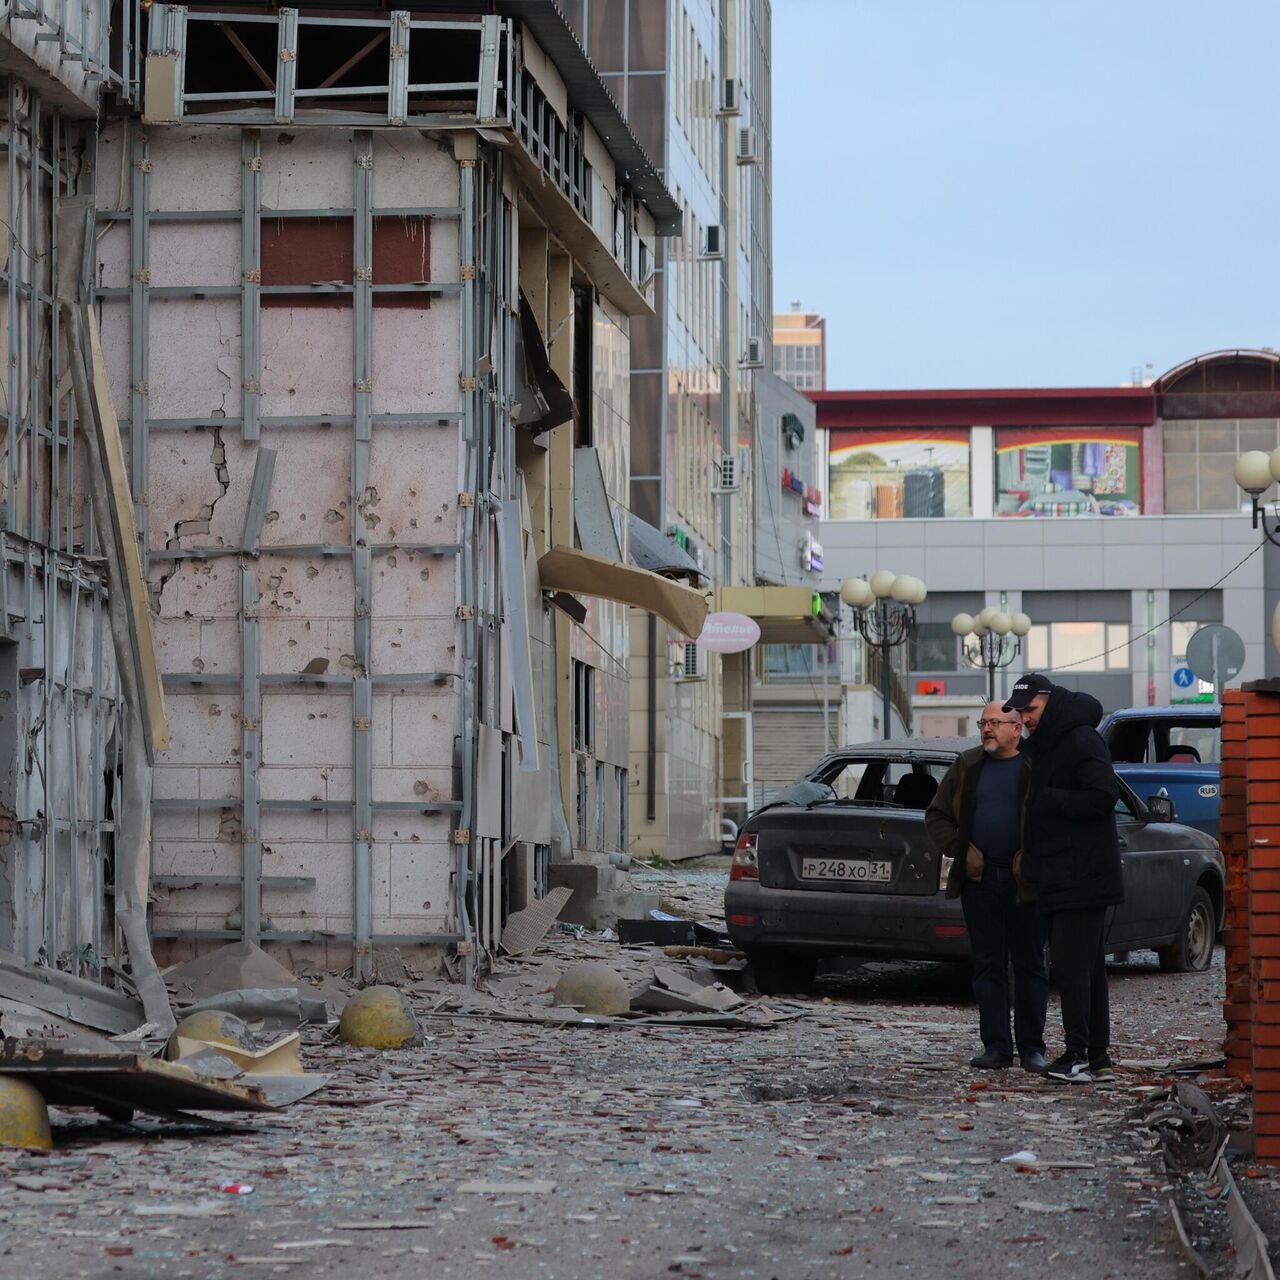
(1199, 457)
(1079, 647)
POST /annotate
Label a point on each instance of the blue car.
(1170, 751)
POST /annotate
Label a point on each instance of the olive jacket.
(949, 820)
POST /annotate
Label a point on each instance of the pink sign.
(728, 633)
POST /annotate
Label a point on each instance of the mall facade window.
(1079, 648)
(1199, 457)
(1068, 472)
(935, 648)
(896, 474)
(799, 661)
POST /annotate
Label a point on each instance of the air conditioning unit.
(728, 474)
(747, 146)
(730, 98)
(692, 662)
(713, 241)
(753, 354)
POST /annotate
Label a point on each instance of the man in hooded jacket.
(1071, 860)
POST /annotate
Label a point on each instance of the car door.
(1152, 872)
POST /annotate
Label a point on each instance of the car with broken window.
(1170, 751)
(840, 864)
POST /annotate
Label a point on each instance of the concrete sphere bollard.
(24, 1118)
(595, 988)
(214, 1026)
(378, 1018)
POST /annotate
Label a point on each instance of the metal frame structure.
(885, 624)
(992, 652)
(61, 718)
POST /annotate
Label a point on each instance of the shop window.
(301, 252)
(1199, 462)
(783, 661)
(1068, 472)
(934, 647)
(878, 475)
(1079, 647)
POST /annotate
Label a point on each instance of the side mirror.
(1161, 809)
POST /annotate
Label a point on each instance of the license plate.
(857, 870)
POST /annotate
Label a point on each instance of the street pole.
(884, 666)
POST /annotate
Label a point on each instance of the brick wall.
(1250, 838)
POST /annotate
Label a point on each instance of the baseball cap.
(1026, 689)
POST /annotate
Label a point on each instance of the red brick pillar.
(1262, 813)
(1233, 837)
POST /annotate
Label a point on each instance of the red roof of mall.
(1001, 407)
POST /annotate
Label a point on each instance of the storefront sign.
(811, 497)
(728, 633)
(811, 554)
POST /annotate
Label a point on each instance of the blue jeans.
(1002, 929)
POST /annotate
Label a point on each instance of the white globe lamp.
(962, 624)
(1255, 471)
(1020, 624)
(856, 592)
(882, 583)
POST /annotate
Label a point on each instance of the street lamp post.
(885, 614)
(993, 640)
(1255, 473)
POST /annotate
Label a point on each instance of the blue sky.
(1025, 193)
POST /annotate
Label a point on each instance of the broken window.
(584, 707)
(311, 261)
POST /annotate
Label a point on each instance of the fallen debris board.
(235, 967)
(20, 1021)
(278, 1059)
(69, 997)
(525, 929)
(277, 1008)
(69, 1077)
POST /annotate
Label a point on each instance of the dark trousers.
(1003, 930)
(1077, 943)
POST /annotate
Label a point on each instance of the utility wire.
(1142, 635)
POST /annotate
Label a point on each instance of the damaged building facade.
(365, 287)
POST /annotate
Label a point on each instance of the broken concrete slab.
(67, 996)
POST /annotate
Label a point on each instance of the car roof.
(896, 746)
(1181, 711)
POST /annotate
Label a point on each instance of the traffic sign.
(1215, 654)
(1184, 677)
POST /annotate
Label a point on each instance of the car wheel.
(778, 973)
(1193, 951)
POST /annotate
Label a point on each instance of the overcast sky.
(1023, 193)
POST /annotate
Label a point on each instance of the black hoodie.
(1071, 855)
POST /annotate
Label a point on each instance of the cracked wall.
(200, 469)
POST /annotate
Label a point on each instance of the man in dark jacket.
(1071, 860)
(975, 819)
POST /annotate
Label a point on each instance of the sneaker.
(1102, 1069)
(1071, 1069)
(1035, 1062)
(991, 1060)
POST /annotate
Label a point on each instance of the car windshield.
(905, 783)
(1162, 740)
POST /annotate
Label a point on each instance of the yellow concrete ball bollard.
(214, 1026)
(378, 1018)
(24, 1118)
(593, 988)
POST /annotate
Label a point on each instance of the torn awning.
(785, 615)
(651, 549)
(567, 569)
